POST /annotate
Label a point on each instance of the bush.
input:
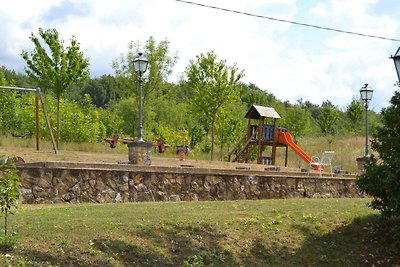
(9, 195)
(381, 179)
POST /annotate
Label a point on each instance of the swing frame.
(38, 96)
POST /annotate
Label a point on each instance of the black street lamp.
(396, 60)
(366, 95)
(140, 64)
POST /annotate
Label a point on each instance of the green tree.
(297, 120)
(327, 119)
(229, 125)
(161, 63)
(381, 178)
(212, 84)
(310, 107)
(251, 94)
(57, 71)
(9, 195)
(354, 113)
(103, 90)
(16, 79)
(127, 112)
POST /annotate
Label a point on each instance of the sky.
(290, 61)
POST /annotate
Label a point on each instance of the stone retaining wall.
(52, 182)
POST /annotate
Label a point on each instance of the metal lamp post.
(366, 95)
(140, 64)
(396, 59)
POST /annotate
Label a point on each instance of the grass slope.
(291, 232)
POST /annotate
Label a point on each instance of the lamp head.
(396, 60)
(366, 93)
(140, 64)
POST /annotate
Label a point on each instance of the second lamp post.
(366, 96)
(140, 64)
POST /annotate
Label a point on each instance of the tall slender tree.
(297, 120)
(54, 67)
(211, 83)
(327, 119)
(354, 113)
(161, 62)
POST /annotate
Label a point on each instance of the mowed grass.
(286, 232)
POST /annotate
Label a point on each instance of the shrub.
(381, 179)
(9, 194)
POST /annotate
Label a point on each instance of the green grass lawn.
(290, 232)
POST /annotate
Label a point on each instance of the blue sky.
(290, 61)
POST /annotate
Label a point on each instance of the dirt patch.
(32, 155)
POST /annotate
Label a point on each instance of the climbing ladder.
(242, 152)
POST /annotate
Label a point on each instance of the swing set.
(38, 97)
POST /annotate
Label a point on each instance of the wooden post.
(259, 136)
(249, 129)
(48, 124)
(275, 142)
(37, 118)
(286, 156)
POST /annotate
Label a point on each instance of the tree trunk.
(5, 225)
(58, 123)
(212, 136)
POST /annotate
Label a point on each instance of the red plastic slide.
(286, 139)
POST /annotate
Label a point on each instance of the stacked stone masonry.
(75, 183)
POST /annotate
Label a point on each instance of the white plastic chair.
(323, 162)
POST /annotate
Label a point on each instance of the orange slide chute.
(286, 139)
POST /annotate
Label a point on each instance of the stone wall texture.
(52, 182)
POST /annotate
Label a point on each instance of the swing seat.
(18, 135)
(112, 141)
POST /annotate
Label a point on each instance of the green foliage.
(297, 120)
(354, 113)
(80, 124)
(327, 119)
(229, 126)
(9, 194)
(12, 78)
(173, 137)
(211, 84)
(381, 179)
(127, 112)
(7, 106)
(159, 69)
(103, 90)
(111, 121)
(310, 107)
(2, 77)
(204, 258)
(58, 71)
(250, 94)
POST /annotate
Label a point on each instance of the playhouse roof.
(256, 112)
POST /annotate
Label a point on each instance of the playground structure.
(264, 135)
(38, 98)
